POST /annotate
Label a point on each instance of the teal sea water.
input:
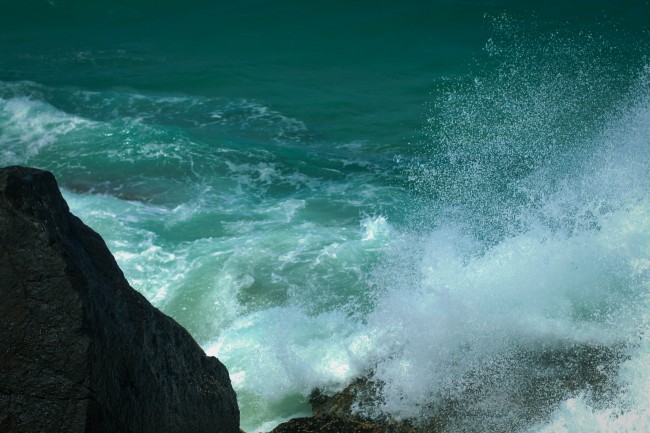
(452, 196)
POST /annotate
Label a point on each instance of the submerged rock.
(80, 350)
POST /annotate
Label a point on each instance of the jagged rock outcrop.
(336, 413)
(354, 403)
(327, 424)
(80, 350)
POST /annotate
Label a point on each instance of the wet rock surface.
(510, 394)
(80, 350)
(327, 424)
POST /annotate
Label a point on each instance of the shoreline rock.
(327, 424)
(529, 384)
(337, 413)
(80, 350)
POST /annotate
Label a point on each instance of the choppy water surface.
(451, 197)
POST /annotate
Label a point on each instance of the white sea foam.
(278, 354)
(152, 269)
(30, 125)
(376, 228)
(533, 290)
(240, 116)
(281, 353)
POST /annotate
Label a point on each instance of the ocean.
(451, 197)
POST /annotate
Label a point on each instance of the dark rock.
(360, 396)
(327, 424)
(80, 350)
(356, 403)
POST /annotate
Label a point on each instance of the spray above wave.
(524, 283)
(532, 109)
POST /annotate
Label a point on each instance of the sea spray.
(525, 290)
